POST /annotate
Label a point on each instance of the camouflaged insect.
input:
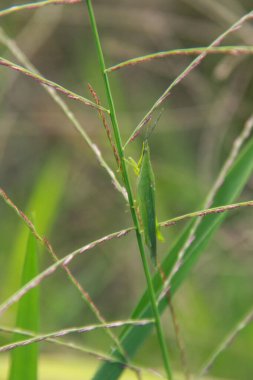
(146, 201)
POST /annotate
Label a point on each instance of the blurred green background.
(47, 168)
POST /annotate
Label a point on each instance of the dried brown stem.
(105, 124)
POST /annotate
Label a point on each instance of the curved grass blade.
(24, 360)
(132, 338)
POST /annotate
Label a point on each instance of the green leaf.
(44, 202)
(132, 337)
(24, 360)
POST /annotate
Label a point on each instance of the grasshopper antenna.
(151, 128)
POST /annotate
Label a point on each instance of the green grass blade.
(24, 360)
(132, 337)
(44, 201)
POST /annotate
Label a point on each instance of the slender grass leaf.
(24, 360)
(44, 201)
(132, 338)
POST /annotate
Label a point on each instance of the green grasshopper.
(146, 200)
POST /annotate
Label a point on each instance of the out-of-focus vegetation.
(48, 169)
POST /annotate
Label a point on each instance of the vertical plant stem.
(125, 177)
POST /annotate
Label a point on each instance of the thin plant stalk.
(117, 136)
(99, 356)
(167, 223)
(188, 70)
(42, 80)
(233, 50)
(69, 257)
(232, 186)
(52, 268)
(87, 351)
(72, 330)
(210, 211)
(237, 144)
(19, 54)
(36, 5)
(84, 294)
(244, 322)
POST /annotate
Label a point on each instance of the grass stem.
(242, 324)
(80, 348)
(72, 330)
(188, 70)
(117, 136)
(23, 59)
(233, 50)
(46, 82)
(36, 5)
